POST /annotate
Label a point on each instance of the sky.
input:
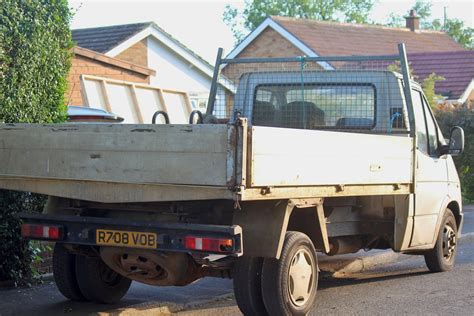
(198, 23)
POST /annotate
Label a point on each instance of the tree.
(255, 11)
(456, 29)
(464, 117)
(35, 44)
(453, 27)
(428, 84)
(422, 9)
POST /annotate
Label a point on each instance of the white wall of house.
(174, 72)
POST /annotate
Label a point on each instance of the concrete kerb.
(361, 262)
(162, 308)
(467, 237)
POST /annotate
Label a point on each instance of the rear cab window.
(315, 106)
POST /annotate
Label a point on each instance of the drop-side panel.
(292, 157)
(117, 153)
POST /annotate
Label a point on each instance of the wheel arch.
(265, 223)
(456, 209)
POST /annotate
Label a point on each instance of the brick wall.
(85, 66)
(137, 54)
(270, 44)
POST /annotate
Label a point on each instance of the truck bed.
(146, 163)
(116, 162)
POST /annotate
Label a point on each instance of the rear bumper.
(80, 230)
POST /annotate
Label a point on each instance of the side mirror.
(456, 142)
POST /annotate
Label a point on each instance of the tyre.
(98, 282)
(442, 256)
(247, 275)
(289, 284)
(64, 273)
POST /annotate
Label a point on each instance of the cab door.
(431, 173)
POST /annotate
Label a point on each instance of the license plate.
(125, 238)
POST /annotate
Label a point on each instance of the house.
(146, 44)
(88, 62)
(457, 69)
(283, 37)
(428, 51)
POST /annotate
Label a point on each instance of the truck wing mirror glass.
(456, 141)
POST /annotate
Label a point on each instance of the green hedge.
(463, 117)
(35, 45)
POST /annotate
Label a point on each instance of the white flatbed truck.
(311, 160)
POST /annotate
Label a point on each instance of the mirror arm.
(443, 150)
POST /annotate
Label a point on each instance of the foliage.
(422, 8)
(456, 29)
(35, 43)
(16, 253)
(35, 60)
(453, 27)
(428, 86)
(464, 117)
(255, 11)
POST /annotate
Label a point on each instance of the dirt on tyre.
(289, 284)
(64, 273)
(247, 278)
(98, 282)
(441, 258)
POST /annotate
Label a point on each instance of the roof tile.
(103, 39)
(336, 39)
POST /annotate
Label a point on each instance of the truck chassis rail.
(179, 237)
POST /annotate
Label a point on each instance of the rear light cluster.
(208, 244)
(40, 231)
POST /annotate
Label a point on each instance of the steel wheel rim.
(449, 242)
(300, 277)
(107, 275)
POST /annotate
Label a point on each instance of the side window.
(432, 130)
(420, 121)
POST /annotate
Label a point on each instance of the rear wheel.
(98, 282)
(289, 284)
(442, 256)
(64, 273)
(247, 274)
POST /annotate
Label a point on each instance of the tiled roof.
(456, 67)
(103, 39)
(339, 39)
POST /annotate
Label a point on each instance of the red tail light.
(208, 244)
(42, 231)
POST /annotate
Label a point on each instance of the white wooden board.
(289, 157)
(135, 102)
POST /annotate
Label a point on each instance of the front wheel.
(289, 284)
(442, 256)
(98, 282)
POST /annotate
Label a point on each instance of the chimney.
(413, 21)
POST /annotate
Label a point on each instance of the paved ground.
(46, 300)
(404, 287)
(396, 289)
